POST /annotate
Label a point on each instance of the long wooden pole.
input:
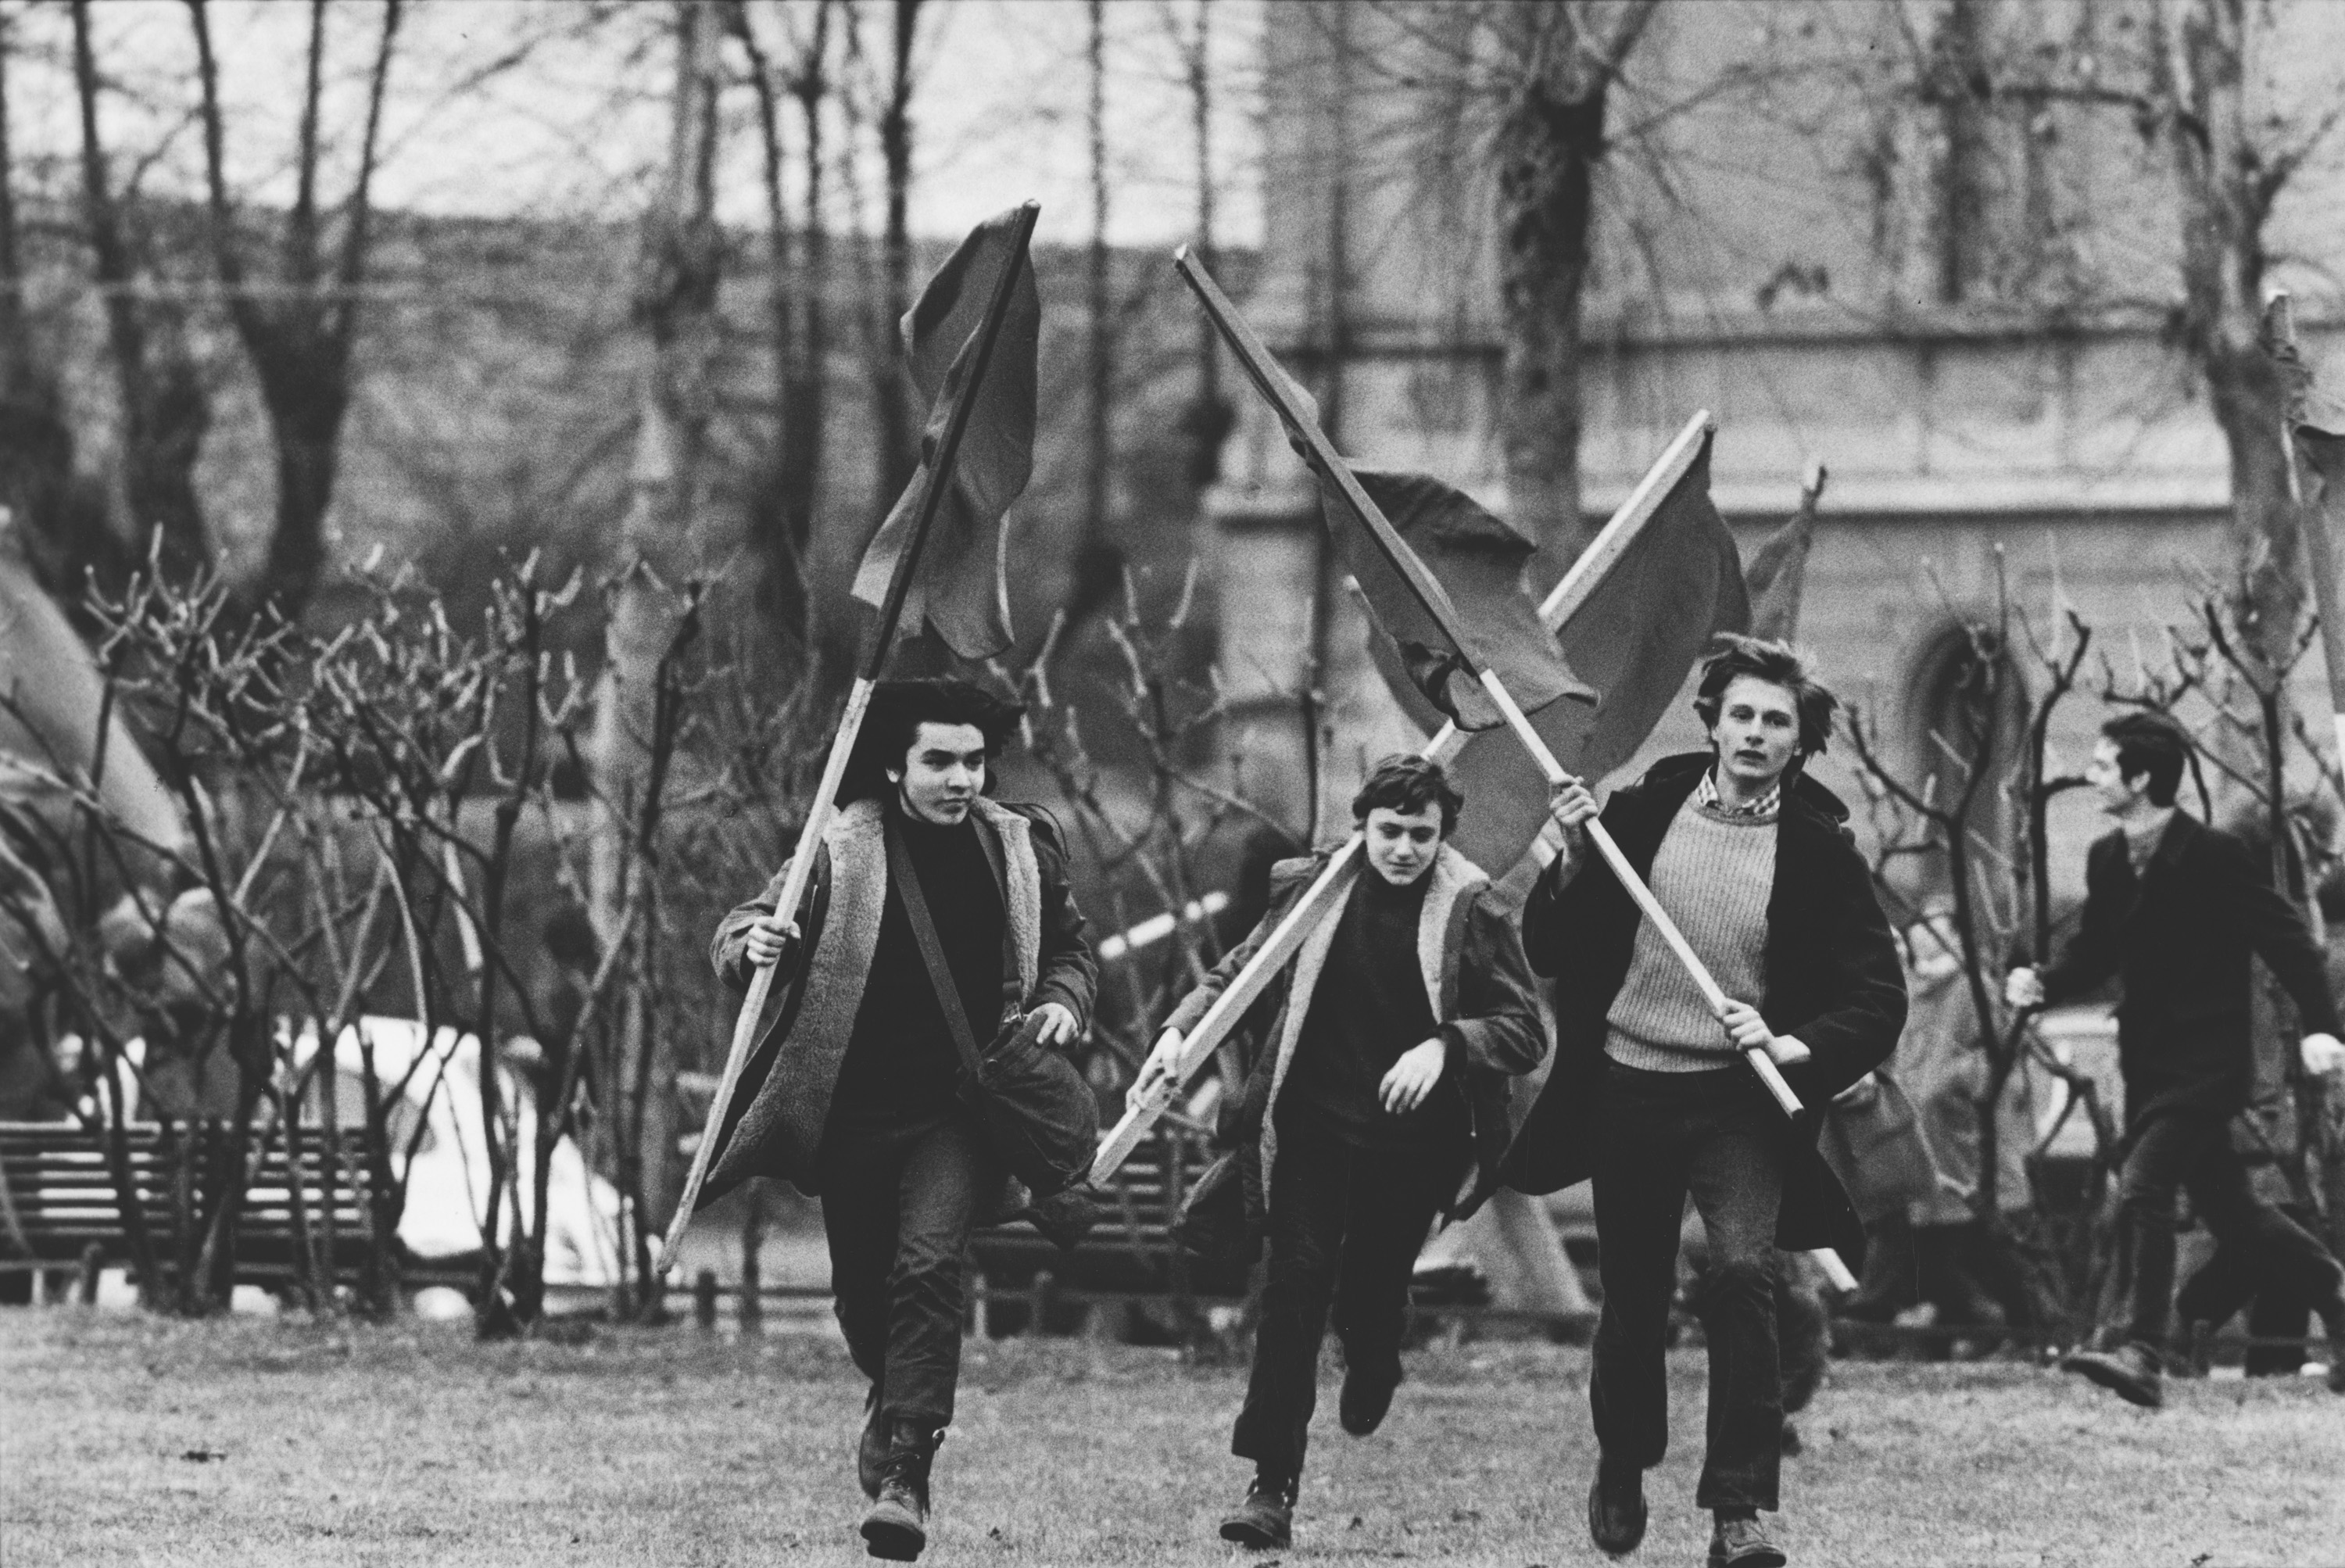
(1321, 454)
(937, 480)
(1326, 893)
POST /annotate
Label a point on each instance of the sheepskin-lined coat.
(1834, 981)
(1474, 976)
(783, 1101)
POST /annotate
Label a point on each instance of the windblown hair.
(2154, 744)
(1404, 783)
(1777, 665)
(898, 709)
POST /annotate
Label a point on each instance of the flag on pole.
(1634, 637)
(1478, 561)
(1779, 567)
(959, 586)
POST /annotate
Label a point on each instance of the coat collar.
(1673, 780)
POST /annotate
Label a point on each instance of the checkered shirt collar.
(1705, 794)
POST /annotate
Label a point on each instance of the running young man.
(2173, 908)
(1649, 1093)
(1379, 1105)
(856, 1090)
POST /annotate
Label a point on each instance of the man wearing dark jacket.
(1650, 1094)
(1380, 1102)
(852, 1091)
(2173, 908)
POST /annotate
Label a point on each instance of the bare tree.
(299, 318)
(166, 405)
(891, 398)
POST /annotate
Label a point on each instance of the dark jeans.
(1345, 1228)
(1716, 1135)
(897, 1202)
(2186, 1148)
(2224, 1284)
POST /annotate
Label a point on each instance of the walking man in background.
(856, 1077)
(2173, 908)
(1649, 1093)
(1380, 1104)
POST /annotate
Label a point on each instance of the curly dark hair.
(1404, 783)
(1777, 665)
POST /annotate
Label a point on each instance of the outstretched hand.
(1412, 1077)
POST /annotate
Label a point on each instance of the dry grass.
(124, 1439)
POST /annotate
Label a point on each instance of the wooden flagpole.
(1287, 399)
(937, 479)
(1325, 895)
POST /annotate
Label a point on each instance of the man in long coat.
(1378, 1105)
(853, 1089)
(1650, 1098)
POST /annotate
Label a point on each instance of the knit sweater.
(1713, 873)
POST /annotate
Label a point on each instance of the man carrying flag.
(859, 1102)
(1747, 855)
(914, 914)
(1379, 1103)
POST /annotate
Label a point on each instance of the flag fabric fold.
(1635, 639)
(1777, 575)
(1478, 560)
(958, 585)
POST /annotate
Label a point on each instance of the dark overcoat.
(1833, 980)
(782, 1104)
(2178, 937)
(1483, 999)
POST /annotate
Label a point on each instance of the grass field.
(252, 1443)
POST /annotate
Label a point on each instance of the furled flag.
(957, 585)
(1478, 561)
(51, 701)
(1779, 567)
(2315, 421)
(1635, 636)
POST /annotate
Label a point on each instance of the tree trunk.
(890, 394)
(1097, 567)
(1550, 136)
(675, 303)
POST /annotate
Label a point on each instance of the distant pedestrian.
(2173, 908)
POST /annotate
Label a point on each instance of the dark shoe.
(1616, 1511)
(1266, 1518)
(1740, 1540)
(871, 1453)
(1367, 1395)
(898, 1525)
(1791, 1445)
(2131, 1371)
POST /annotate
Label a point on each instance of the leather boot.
(1265, 1519)
(2332, 1319)
(2130, 1372)
(1367, 1395)
(1616, 1510)
(871, 1449)
(898, 1525)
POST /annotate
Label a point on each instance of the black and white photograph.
(1138, 783)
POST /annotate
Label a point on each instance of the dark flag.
(2316, 426)
(1635, 638)
(1779, 567)
(957, 587)
(1478, 561)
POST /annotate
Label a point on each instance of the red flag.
(1478, 561)
(1678, 586)
(957, 587)
(1779, 567)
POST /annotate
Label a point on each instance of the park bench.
(62, 1213)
